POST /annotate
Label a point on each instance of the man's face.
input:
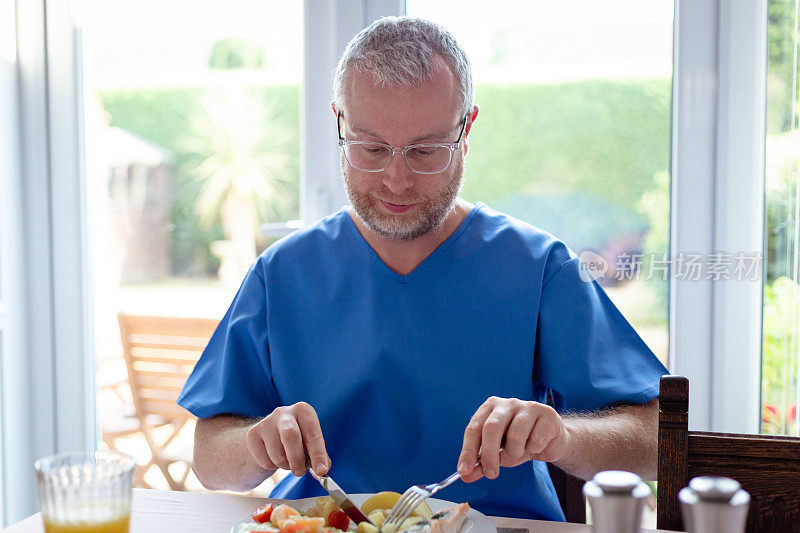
(398, 203)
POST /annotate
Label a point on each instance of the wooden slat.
(163, 344)
(673, 430)
(170, 326)
(170, 340)
(160, 397)
(161, 359)
(166, 355)
(160, 381)
(160, 353)
(744, 446)
(166, 374)
(175, 389)
(768, 467)
(164, 408)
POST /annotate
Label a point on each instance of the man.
(414, 332)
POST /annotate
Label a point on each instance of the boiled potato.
(366, 527)
(377, 517)
(382, 500)
(423, 510)
(410, 521)
(318, 509)
(387, 499)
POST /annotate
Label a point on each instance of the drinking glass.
(85, 492)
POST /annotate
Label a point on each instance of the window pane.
(781, 353)
(192, 121)
(573, 133)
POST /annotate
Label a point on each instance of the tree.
(783, 51)
(238, 148)
(236, 53)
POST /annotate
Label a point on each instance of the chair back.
(160, 353)
(569, 490)
(768, 467)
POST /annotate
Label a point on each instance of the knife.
(339, 496)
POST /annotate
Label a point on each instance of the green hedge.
(608, 138)
(163, 117)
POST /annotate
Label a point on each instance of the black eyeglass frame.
(452, 146)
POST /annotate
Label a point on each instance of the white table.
(156, 511)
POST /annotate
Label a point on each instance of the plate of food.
(322, 515)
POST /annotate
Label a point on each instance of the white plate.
(476, 522)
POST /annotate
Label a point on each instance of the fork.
(411, 498)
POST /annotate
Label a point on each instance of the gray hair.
(400, 51)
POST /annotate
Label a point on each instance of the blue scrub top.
(395, 366)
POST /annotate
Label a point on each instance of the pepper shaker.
(617, 500)
(714, 505)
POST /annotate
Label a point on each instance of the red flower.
(792, 416)
(769, 413)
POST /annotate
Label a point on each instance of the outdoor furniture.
(768, 467)
(160, 353)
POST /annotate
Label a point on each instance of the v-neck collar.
(424, 264)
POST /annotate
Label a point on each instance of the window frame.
(328, 27)
(718, 143)
(53, 327)
(9, 180)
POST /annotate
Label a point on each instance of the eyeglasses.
(423, 158)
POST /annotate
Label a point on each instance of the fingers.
(272, 441)
(282, 438)
(255, 444)
(494, 430)
(548, 440)
(472, 444)
(474, 474)
(313, 439)
(507, 432)
(292, 441)
(517, 436)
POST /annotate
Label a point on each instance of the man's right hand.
(281, 439)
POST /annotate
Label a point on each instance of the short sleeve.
(233, 374)
(586, 351)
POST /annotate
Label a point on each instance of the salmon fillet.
(447, 520)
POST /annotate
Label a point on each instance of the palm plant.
(238, 149)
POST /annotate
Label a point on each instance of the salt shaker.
(714, 505)
(617, 500)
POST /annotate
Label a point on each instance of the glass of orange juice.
(85, 492)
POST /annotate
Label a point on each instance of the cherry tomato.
(339, 520)
(262, 514)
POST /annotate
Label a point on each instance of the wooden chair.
(768, 467)
(570, 494)
(569, 488)
(160, 353)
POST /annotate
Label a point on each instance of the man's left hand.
(508, 432)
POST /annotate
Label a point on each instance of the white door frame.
(718, 130)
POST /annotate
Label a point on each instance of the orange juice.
(114, 525)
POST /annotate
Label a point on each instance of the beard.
(430, 212)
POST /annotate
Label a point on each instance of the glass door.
(780, 393)
(192, 148)
(573, 135)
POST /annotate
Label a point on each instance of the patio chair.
(768, 467)
(160, 353)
